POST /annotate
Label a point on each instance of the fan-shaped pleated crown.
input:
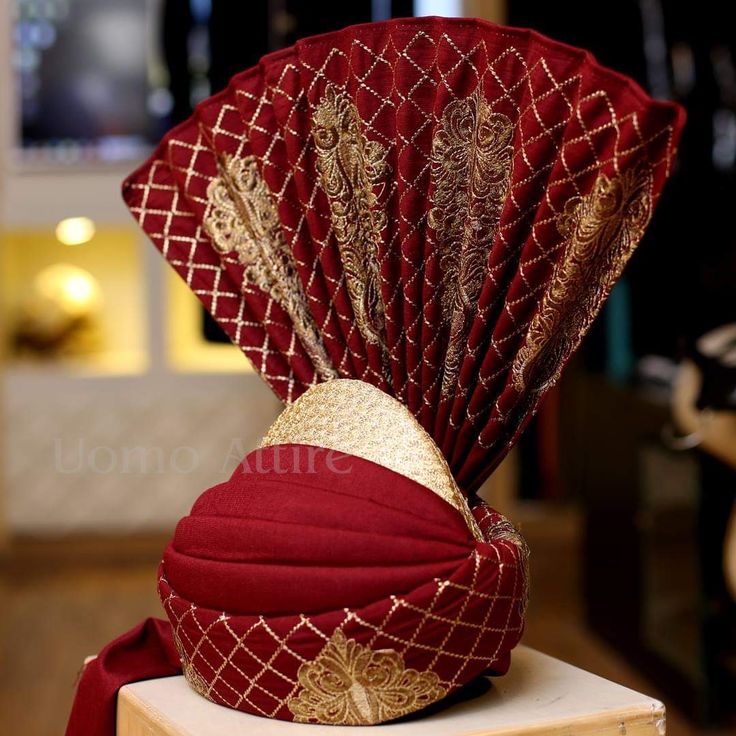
(438, 207)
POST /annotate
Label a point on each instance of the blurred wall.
(119, 449)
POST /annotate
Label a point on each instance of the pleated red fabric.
(312, 542)
(436, 206)
(268, 566)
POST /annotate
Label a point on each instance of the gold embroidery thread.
(601, 230)
(350, 166)
(504, 530)
(349, 684)
(195, 680)
(359, 419)
(242, 217)
(471, 167)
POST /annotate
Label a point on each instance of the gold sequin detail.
(359, 419)
(601, 231)
(504, 530)
(242, 217)
(471, 167)
(195, 680)
(350, 166)
(349, 684)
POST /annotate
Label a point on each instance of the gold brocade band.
(376, 421)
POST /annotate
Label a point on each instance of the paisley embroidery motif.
(601, 231)
(349, 684)
(350, 166)
(471, 168)
(242, 217)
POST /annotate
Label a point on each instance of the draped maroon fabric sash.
(311, 539)
(144, 652)
(271, 566)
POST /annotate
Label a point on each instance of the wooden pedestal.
(539, 696)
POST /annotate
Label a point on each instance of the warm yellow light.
(70, 288)
(78, 290)
(75, 230)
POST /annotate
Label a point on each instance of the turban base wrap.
(319, 585)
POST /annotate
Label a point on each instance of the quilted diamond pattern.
(457, 628)
(573, 122)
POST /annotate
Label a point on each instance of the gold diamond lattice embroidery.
(557, 111)
(349, 684)
(195, 680)
(246, 662)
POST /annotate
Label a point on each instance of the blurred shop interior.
(121, 400)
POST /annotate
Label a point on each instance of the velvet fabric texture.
(299, 544)
(436, 206)
(290, 557)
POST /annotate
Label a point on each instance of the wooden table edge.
(137, 718)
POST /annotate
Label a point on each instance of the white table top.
(539, 695)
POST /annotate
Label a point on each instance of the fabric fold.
(145, 652)
(416, 219)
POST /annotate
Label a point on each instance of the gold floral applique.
(601, 230)
(349, 684)
(471, 167)
(350, 166)
(242, 217)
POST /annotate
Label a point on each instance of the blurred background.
(121, 401)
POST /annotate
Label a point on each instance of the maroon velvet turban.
(321, 584)
(438, 208)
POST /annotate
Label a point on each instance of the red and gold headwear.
(339, 576)
(407, 227)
